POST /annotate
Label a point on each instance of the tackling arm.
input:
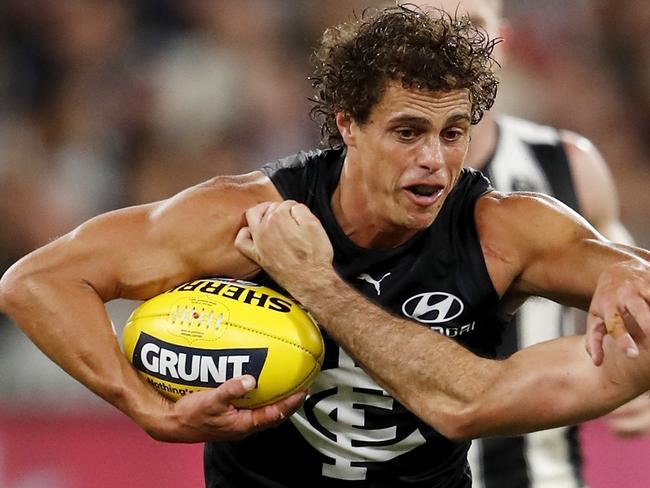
(456, 392)
(465, 396)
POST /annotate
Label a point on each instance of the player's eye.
(452, 134)
(406, 133)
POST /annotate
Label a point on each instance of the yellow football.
(204, 332)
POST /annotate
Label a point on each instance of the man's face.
(406, 158)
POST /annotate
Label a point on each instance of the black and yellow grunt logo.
(234, 291)
(189, 366)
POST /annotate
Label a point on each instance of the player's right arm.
(56, 295)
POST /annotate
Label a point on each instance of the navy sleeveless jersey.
(350, 432)
(531, 157)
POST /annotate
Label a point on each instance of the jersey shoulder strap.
(297, 177)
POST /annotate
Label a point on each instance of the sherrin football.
(204, 332)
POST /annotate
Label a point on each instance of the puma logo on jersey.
(376, 283)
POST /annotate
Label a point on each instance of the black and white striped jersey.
(530, 157)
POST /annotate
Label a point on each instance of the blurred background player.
(520, 155)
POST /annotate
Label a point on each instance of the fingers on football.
(234, 389)
(277, 412)
(293, 403)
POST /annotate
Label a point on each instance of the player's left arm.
(598, 203)
(553, 252)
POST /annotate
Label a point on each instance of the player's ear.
(344, 123)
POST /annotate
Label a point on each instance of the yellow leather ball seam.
(280, 339)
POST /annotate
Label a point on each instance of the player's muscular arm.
(596, 194)
(56, 294)
(553, 252)
(528, 240)
(458, 393)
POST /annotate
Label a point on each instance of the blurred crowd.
(107, 103)
(584, 65)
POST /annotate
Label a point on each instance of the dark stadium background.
(106, 103)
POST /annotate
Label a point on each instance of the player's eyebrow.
(411, 120)
(462, 117)
(424, 123)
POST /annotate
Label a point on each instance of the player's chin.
(416, 217)
(421, 220)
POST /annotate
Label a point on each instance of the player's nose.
(431, 156)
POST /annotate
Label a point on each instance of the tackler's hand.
(620, 307)
(288, 241)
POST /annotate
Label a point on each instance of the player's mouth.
(424, 195)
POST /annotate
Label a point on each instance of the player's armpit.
(530, 242)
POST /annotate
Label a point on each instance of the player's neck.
(484, 141)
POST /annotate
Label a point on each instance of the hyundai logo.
(433, 307)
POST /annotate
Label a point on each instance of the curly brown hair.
(423, 49)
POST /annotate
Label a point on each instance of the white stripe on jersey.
(513, 159)
(474, 456)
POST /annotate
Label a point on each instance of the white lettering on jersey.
(376, 283)
(339, 422)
